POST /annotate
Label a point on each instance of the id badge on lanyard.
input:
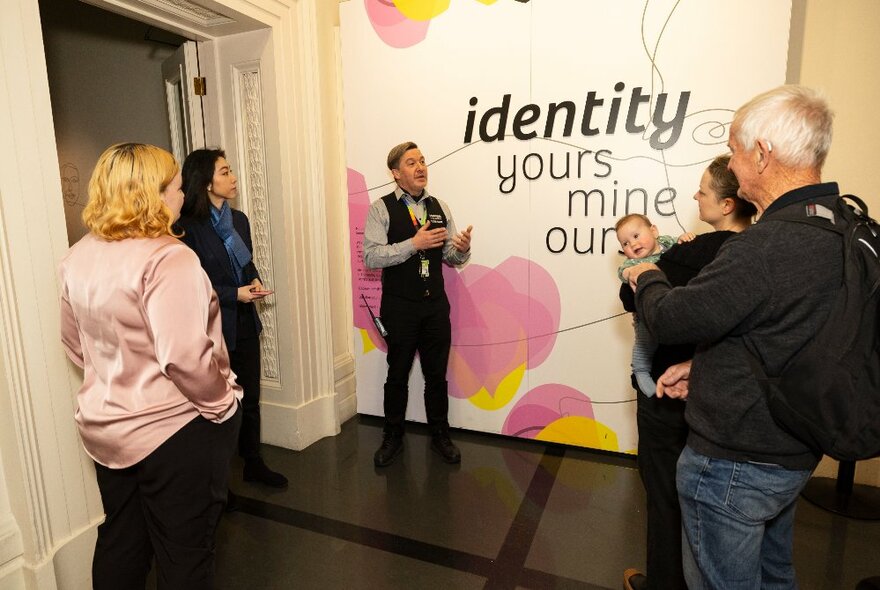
(424, 263)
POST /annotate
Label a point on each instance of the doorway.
(105, 84)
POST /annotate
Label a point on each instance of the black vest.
(403, 280)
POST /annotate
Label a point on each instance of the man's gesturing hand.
(427, 238)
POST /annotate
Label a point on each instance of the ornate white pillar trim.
(14, 236)
(345, 315)
(248, 107)
(22, 409)
(298, 96)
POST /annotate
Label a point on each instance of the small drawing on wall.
(70, 184)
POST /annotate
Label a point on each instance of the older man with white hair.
(767, 293)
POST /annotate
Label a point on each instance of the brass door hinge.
(199, 86)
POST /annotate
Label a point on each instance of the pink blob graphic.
(502, 318)
(365, 281)
(542, 406)
(393, 27)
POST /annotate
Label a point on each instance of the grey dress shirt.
(378, 253)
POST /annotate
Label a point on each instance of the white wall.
(105, 82)
(840, 53)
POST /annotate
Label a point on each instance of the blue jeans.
(737, 521)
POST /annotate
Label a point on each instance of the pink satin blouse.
(140, 317)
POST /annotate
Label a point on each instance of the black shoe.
(635, 580)
(392, 446)
(443, 445)
(256, 470)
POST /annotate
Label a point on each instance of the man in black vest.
(408, 234)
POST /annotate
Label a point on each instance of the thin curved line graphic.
(431, 163)
(578, 327)
(536, 428)
(520, 433)
(652, 58)
(620, 401)
(627, 158)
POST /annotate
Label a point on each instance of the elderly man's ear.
(764, 148)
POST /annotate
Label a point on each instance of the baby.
(641, 242)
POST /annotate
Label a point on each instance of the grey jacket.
(769, 289)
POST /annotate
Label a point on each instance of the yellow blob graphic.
(487, 2)
(421, 9)
(580, 431)
(368, 342)
(503, 394)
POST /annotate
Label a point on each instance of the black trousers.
(416, 326)
(167, 505)
(245, 363)
(662, 437)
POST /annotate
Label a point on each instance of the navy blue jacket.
(201, 237)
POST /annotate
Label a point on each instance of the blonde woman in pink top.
(157, 409)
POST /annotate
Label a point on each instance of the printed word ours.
(594, 118)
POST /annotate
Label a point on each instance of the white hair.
(795, 120)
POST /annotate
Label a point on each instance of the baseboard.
(345, 387)
(73, 560)
(11, 548)
(297, 428)
(343, 367)
(68, 568)
(346, 407)
(12, 575)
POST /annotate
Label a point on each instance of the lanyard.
(424, 264)
(410, 203)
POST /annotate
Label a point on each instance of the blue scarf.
(239, 255)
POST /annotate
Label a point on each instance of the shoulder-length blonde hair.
(125, 193)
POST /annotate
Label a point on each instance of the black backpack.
(828, 395)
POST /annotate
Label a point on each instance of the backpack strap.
(862, 208)
(836, 219)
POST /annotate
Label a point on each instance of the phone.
(262, 292)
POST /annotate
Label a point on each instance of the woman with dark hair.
(157, 409)
(221, 237)
(662, 429)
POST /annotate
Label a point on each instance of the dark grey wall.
(105, 82)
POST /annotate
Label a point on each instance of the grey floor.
(514, 514)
